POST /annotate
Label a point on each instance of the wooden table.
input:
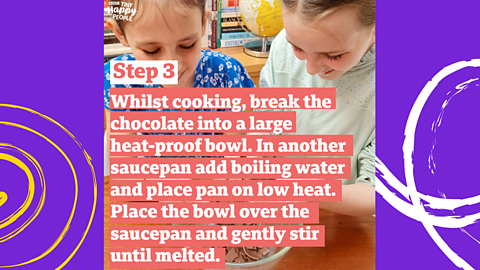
(349, 243)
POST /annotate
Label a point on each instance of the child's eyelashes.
(188, 47)
(181, 46)
(333, 58)
(151, 52)
(295, 48)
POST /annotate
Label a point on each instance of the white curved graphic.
(414, 204)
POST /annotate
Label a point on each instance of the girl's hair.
(164, 6)
(314, 10)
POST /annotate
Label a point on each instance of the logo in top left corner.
(120, 10)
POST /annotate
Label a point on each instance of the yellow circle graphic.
(31, 191)
(3, 195)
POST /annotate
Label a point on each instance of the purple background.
(415, 40)
(52, 62)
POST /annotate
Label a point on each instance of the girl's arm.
(357, 200)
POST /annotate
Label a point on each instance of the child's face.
(332, 46)
(173, 34)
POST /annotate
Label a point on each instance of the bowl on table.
(267, 263)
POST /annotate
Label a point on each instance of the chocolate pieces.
(246, 254)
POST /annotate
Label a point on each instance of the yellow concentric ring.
(3, 197)
(15, 215)
(88, 159)
(31, 190)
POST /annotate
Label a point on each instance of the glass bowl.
(263, 264)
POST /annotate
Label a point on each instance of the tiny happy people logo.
(121, 10)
